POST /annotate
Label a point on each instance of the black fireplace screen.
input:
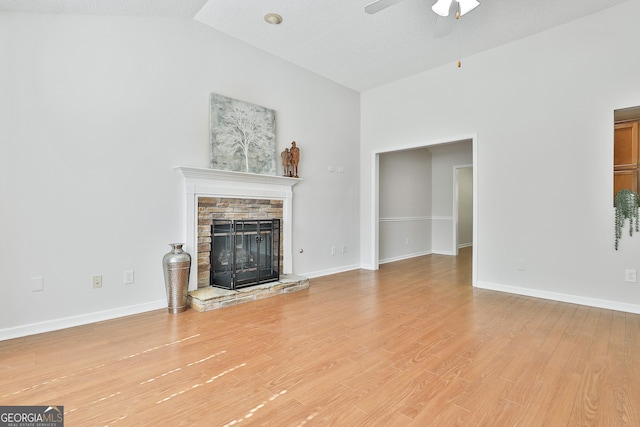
(244, 252)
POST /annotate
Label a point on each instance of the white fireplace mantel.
(201, 182)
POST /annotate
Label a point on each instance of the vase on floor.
(176, 265)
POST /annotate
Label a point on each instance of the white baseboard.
(83, 319)
(464, 245)
(329, 271)
(68, 322)
(444, 253)
(400, 258)
(555, 296)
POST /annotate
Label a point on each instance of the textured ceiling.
(168, 8)
(338, 40)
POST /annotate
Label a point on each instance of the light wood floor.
(410, 345)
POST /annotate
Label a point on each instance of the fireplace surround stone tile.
(202, 183)
(218, 208)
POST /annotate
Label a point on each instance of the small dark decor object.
(176, 265)
(626, 204)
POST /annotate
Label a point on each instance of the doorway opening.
(462, 206)
(413, 215)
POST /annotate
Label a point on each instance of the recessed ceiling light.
(273, 18)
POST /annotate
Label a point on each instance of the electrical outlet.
(333, 250)
(406, 240)
(520, 264)
(128, 277)
(630, 276)
(97, 281)
(344, 249)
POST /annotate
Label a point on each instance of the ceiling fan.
(442, 8)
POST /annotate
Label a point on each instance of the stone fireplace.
(214, 210)
(216, 194)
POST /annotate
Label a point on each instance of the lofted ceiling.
(338, 40)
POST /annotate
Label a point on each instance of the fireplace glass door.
(244, 252)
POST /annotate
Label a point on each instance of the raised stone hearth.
(210, 298)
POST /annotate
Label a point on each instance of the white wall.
(444, 158)
(465, 206)
(405, 204)
(541, 109)
(95, 114)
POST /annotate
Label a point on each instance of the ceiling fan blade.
(377, 6)
(441, 7)
(444, 23)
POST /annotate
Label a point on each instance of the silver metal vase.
(176, 265)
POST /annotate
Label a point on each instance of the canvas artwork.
(242, 136)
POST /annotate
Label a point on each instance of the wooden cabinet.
(625, 157)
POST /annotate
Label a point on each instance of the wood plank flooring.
(412, 344)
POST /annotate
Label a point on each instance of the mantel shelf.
(222, 175)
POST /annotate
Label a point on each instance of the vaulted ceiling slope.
(338, 40)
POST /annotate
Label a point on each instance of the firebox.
(244, 252)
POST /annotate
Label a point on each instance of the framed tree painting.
(242, 136)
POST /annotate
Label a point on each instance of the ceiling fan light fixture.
(441, 7)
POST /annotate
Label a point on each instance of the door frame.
(374, 253)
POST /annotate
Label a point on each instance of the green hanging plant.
(626, 204)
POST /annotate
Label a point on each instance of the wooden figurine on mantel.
(295, 158)
(290, 159)
(286, 162)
